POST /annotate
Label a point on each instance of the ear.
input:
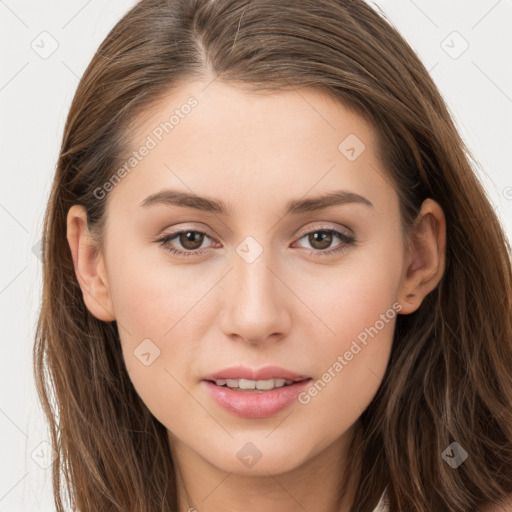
(425, 258)
(89, 265)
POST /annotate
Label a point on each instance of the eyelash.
(348, 240)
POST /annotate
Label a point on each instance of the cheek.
(359, 306)
(352, 296)
(156, 311)
(152, 297)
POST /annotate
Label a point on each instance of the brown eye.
(191, 240)
(320, 239)
(326, 242)
(187, 242)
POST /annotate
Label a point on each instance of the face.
(259, 273)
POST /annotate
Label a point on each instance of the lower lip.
(255, 404)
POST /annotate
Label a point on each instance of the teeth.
(264, 385)
(247, 384)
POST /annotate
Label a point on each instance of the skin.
(288, 308)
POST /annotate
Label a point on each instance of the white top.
(382, 506)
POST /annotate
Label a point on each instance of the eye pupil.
(191, 239)
(324, 237)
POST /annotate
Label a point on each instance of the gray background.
(45, 51)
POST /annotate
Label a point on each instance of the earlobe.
(425, 262)
(89, 265)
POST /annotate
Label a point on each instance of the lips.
(255, 403)
(265, 373)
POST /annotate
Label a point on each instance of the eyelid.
(304, 231)
(324, 227)
(181, 228)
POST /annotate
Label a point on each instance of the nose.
(256, 304)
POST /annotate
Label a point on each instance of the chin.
(257, 458)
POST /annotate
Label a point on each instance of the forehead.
(237, 110)
(218, 139)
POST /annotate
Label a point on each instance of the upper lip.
(265, 373)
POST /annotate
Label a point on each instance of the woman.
(272, 280)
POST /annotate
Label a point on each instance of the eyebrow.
(310, 204)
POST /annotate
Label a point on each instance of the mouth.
(255, 399)
(255, 393)
(256, 386)
(243, 377)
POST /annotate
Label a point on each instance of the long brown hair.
(449, 377)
